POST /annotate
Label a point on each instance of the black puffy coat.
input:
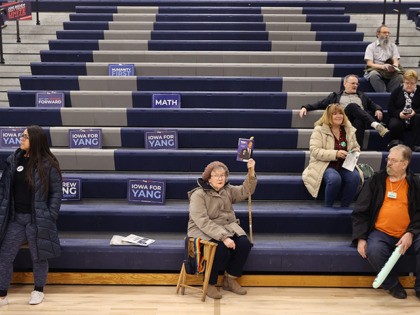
(45, 208)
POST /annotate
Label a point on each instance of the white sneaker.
(36, 298)
(4, 301)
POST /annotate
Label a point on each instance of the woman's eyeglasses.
(24, 136)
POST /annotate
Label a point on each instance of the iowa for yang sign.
(146, 191)
(10, 137)
(161, 139)
(85, 138)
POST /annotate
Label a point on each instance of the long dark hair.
(40, 157)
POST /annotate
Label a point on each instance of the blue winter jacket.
(45, 207)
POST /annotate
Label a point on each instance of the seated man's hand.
(302, 112)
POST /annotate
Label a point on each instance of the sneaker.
(36, 298)
(381, 130)
(4, 301)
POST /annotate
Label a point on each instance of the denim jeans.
(342, 181)
(380, 247)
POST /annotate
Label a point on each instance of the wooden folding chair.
(209, 249)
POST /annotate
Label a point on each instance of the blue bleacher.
(193, 99)
(293, 233)
(228, 26)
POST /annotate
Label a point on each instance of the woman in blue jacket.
(30, 199)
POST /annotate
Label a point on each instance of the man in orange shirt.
(387, 214)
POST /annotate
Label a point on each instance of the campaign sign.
(121, 70)
(10, 137)
(161, 139)
(146, 191)
(18, 10)
(85, 138)
(166, 101)
(72, 189)
(245, 149)
(50, 99)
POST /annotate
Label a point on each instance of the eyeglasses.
(219, 176)
(24, 136)
(393, 161)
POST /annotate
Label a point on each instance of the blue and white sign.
(121, 70)
(161, 139)
(146, 191)
(10, 137)
(85, 138)
(166, 101)
(72, 189)
(50, 99)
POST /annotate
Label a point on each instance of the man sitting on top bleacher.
(359, 108)
(382, 67)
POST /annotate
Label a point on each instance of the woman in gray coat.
(30, 198)
(212, 218)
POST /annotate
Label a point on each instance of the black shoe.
(418, 294)
(398, 292)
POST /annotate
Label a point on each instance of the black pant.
(360, 119)
(231, 260)
(410, 135)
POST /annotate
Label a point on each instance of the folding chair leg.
(181, 280)
(208, 272)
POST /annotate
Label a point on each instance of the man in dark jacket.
(359, 108)
(386, 215)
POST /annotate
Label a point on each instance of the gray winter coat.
(211, 212)
(45, 208)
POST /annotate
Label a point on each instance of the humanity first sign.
(10, 137)
(146, 191)
(121, 70)
(161, 139)
(85, 138)
(72, 189)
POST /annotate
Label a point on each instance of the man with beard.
(386, 215)
(359, 108)
(382, 67)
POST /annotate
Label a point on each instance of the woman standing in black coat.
(30, 199)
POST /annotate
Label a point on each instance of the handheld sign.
(121, 70)
(386, 269)
(49, 99)
(10, 137)
(85, 138)
(166, 101)
(72, 189)
(161, 139)
(245, 149)
(146, 191)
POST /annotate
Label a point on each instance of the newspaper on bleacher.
(131, 239)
